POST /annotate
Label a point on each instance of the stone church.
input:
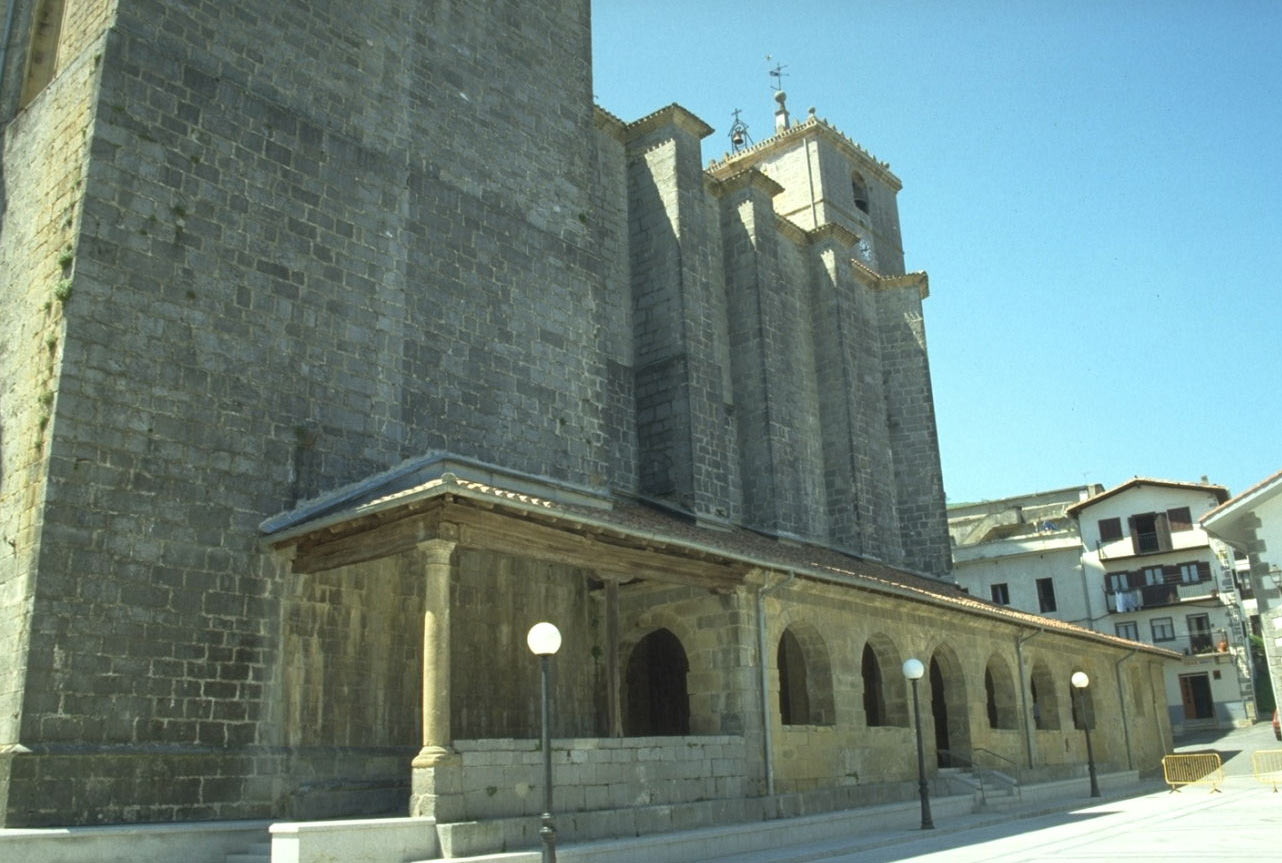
(341, 342)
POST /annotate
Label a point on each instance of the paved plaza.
(1242, 822)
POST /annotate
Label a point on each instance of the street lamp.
(913, 670)
(1080, 681)
(544, 640)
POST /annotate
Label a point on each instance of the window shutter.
(1135, 537)
(1163, 526)
(1204, 570)
(1171, 574)
(1180, 518)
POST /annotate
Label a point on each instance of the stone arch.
(1043, 697)
(1082, 702)
(655, 698)
(999, 694)
(1137, 691)
(805, 677)
(949, 707)
(859, 189)
(885, 699)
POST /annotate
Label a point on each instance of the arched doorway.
(939, 710)
(950, 708)
(657, 700)
(874, 697)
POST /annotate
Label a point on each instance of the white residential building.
(1131, 561)
(1161, 579)
(1252, 523)
(1024, 552)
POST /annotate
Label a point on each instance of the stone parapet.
(501, 778)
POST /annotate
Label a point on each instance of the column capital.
(439, 549)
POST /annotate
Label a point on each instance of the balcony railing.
(1148, 596)
(1197, 644)
(1157, 595)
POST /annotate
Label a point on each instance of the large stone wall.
(46, 151)
(253, 255)
(503, 777)
(289, 272)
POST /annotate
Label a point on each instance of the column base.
(436, 785)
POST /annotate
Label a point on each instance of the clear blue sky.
(1095, 189)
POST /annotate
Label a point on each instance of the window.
(1163, 629)
(1179, 518)
(1153, 575)
(1127, 629)
(1046, 594)
(999, 692)
(1119, 581)
(1001, 593)
(1150, 532)
(42, 52)
(1190, 573)
(874, 697)
(860, 191)
(1200, 633)
(805, 677)
(1110, 529)
(1041, 687)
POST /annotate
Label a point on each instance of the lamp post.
(544, 640)
(1080, 681)
(913, 670)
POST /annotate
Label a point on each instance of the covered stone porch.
(702, 665)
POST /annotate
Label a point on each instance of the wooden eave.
(481, 523)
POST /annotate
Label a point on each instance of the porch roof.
(629, 537)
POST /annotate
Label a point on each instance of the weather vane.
(777, 73)
(739, 136)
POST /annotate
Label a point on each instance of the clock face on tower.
(864, 251)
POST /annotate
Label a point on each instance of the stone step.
(259, 852)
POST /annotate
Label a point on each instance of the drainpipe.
(1121, 702)
(1023, 692)
(767, 742)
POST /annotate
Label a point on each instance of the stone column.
(436, 777)
(614, 707)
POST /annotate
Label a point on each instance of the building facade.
(1131, 561)
(1251, 523)
(329, 369)
(1025, 552)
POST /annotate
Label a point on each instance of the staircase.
(993, 789)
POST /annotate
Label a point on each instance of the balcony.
(1158, 595)
(1148, 596)
(1197, 644)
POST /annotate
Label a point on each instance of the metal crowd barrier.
(1199, 768)
(1266, 766)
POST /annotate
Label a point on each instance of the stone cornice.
(791, 230)
(876, 281)
(831, 232)
(608, 123)
(789, 138)
(673, 115)
(749, 178)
